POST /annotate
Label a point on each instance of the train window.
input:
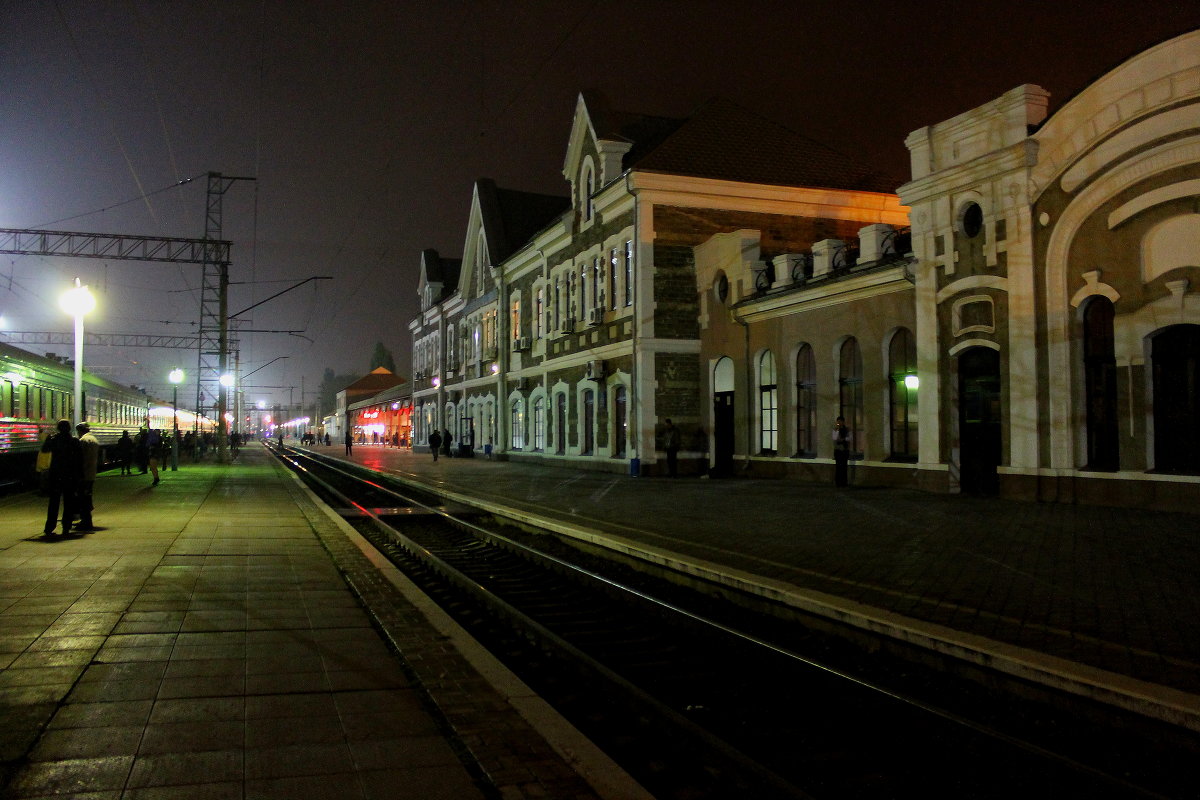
(5, 398)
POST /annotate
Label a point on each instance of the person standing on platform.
(124, 453)
(154, 448)
(141, 449)
(841, 453)
(349, 443)
(671, 445)
(435, 443)
(89, 447)
(66, 468)
(447, 440)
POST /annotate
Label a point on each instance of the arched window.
(588, 188)
(768, 404)
(517, 429)
(1100, 384)
(560, 424)
(806, 402)
(902, 371)
(588, 422)
(620, 422)
(850, 393)
(539, 424)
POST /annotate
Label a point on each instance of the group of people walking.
(70, 473)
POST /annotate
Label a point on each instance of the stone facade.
(1026, 323)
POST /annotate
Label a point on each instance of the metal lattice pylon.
(212, 353)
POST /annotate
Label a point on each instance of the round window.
(972, 220)
(721, 288)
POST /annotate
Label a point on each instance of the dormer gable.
(438, 278)
(593, 160)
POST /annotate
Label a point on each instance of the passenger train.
(36, 391)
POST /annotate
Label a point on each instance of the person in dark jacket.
(124, 453)
(66, 471)
(435, 443)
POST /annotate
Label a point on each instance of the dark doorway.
(1100, 385)
(723, 434)
(1176, 356)
(979, 420)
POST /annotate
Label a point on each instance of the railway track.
(699, 700)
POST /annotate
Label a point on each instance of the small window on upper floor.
(972, 220)
(587, 187)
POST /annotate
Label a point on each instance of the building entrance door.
(723, 434)
(980, 446)
(1176, 355)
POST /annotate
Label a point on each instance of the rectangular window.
(613, 266)
(597, 282)
(557, 300)
(515, 321)
(537, 314)
(539, 425)
(583, 282)
(629, 272)
(769, 408)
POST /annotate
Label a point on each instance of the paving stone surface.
(206, 642)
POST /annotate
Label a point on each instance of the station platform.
(224, 635)
(1099, 602)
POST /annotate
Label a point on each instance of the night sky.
(366, 124)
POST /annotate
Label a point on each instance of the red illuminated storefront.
(383, 421)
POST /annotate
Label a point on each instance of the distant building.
(378, 380)
(573, 329)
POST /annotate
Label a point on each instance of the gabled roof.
(724, 141)
(510, 218)
(435, 269)
(374, 382)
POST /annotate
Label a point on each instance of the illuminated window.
(768, 404)
(806, 401)
(517, 429)
(850, 393)
(902, 361)
(515, 320)
(539, 424)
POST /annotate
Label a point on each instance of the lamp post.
(78, 301)
(175, 377)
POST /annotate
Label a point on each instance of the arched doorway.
(980, 446)
(723, 420)
(1175, 352)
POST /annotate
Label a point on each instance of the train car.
(36, 391)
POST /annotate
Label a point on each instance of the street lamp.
(175, 377)
(78, 301)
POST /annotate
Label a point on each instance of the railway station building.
(570, 329)
(1018, 317)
